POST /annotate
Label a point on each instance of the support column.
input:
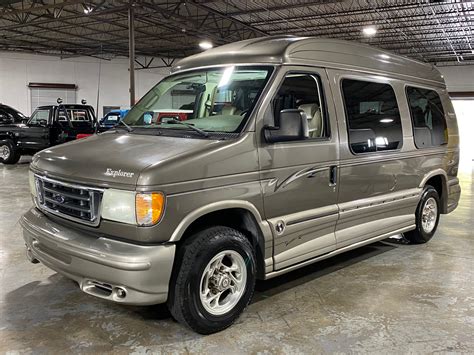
(131, 51)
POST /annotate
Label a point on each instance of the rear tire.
(213, 280)
(427, 217)
(9, 153)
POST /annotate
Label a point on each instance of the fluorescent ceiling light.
(87, 9)
(369, 31)
(205, 45)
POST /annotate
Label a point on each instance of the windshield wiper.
(200, 131)
(127, 127)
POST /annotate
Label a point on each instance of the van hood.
(113, 158)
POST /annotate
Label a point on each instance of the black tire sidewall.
(204, 322)
(14, 155)
(429, 192)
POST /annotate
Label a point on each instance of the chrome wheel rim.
(223, 282)
(429, 215)
(4, 151)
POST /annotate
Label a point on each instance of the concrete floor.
(387, 297)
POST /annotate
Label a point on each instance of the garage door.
(49, 96)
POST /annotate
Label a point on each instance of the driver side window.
(302, 91)
(39, 118)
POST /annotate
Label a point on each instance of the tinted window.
(74, 115)
(373, 118)
(5, 117)
(427, 115)
(15, 115)
(111, 118)
(302, 91)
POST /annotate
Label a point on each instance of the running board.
(273, 274)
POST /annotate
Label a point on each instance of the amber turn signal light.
(149, 208)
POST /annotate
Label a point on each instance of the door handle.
(333, 175)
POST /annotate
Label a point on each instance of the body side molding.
(335, 252)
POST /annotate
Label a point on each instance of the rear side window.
(74, 115)
(373, 117)
(427, 116)
(79, 115)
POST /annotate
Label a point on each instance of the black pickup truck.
(47, 126)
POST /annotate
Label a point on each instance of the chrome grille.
(75, 202)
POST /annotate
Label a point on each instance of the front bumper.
(114, 270)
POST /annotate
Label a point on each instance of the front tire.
(9, 153)
(427, 217)
(214, 279)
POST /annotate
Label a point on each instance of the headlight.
(144, 209)
(119, 205)
(31, 177)
(149, 208)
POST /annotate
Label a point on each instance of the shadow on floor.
(268, 288)
(42, 300)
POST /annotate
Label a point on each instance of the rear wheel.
(427, 217)
(9, 154)
(214, 280)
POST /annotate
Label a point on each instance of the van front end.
(63, 232)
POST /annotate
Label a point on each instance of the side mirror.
(293, 127)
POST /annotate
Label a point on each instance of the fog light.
(120, 292)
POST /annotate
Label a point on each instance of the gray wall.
(459, 77)
(19, 69)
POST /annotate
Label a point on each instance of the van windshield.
(211, 100)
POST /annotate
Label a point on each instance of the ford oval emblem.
(59, 198)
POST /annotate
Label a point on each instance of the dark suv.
(48, 126)
(9, 115)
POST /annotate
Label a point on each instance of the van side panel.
(379, 191)
(299, 200)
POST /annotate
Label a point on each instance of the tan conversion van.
(266, 155)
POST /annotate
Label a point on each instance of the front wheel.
(427, 217)
(9, 154)
(214, 280)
